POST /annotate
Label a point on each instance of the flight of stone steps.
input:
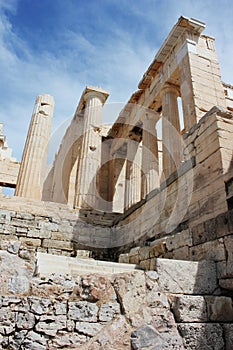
(49, 263)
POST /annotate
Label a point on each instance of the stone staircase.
(49, 263)
(202, 313)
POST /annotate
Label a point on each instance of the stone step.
(50, 263)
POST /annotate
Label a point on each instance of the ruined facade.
(153, 191)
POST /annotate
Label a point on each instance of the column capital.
(93, 91)
(170, 88)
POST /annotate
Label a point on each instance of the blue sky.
(60, 46)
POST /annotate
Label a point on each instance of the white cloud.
(115, 57)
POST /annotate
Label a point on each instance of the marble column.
(90, 155)
(33, 164)
(150, 162)
(172, 146)
(133, 172)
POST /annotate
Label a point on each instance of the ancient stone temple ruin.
(125, 241)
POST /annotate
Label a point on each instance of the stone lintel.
(182, 25)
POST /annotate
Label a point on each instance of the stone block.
(108, 311)
(186, 277)
(50, 325)
(228, 336)
(219, 308)
(228, 240)
(144, 253)
(202, 336)
(146, 337)
(39, 306)
(131, 292)
(213, 250)
(187, 308)
(178, 240)
(35, 340)
(124, 258)
(181, 253)
(30, 242)
(226, 283)
(145, 265)
(25, 320)
(83, 311)
(221, 269)
(48, 243)
(35, 233)
(88, 329)
(13, 247)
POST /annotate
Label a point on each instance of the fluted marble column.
(150, 163)
(133, 173)
(90, 157)
(172, 150)
(31, 173)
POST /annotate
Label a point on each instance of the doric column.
(32, 168)
(150, 162)
(133, 172)
(90, 157)
(172, 151)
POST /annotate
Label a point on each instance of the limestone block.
(35, 340)
(187, 308)
(88, 329)
(68, 340)
(144, 253)
(146, 337)
(186, 277)
(7, 320)
(181, 253)
(180, 239)
(50, 325)
(25, 320)
(48, 243)
(124, 258)
(108, 311)
(30, 242)
(116, 335)
(35, 233)
(15, 273)
(213, 250)
(95, 287)
(228, 240)
(83, 311)
(39, 306)
(202, 336)
(130, 290)
(13, 247)
(228, 335)
(219, 308)
(226, 283)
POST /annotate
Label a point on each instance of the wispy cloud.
(75, 43)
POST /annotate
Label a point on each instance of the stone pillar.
(33, 165)
(172, 150)
(133, 172)
(90, 156)
(150, 162)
